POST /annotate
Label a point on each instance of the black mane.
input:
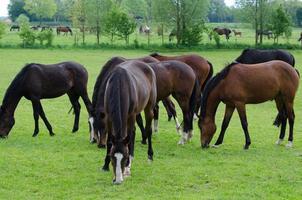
(16, 84)
(211, 84)
(154, 54)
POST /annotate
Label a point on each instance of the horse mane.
(102, 77)
(211, 84)
(16, 84)
(154, 54)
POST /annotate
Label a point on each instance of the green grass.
(68, 167)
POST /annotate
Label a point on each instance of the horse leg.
(46, 122)
(242, 114)
(156, 114)
(282, 117)
(148, 117)
(35, 106)
(167, 104)
(188, 120)
(74, 99)
(291, 120)
(229, 110)
(131, 132)
(140, 123)
(107, 157)
(171, 107)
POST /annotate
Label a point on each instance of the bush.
(47, 36)
(193, 35)
(28, 36)
(2, 29)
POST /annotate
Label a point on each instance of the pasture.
(11, 38)
(66, 166)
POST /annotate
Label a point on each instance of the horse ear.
(127, 140)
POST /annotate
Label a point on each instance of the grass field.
(248, 38)
(68, 167)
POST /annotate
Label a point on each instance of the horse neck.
(11, 101)
(212, 105)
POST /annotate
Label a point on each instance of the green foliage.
(112, 23)
(46, 35)
(126, 27)
(28, 36)
(280, 23)
(23, 21)
(193, 35)
(2, 29)
(42, 9)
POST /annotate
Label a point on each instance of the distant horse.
(14, 27)
(237, 33)
(45, 28)
(37, 81)
(254, 56)
(202, 68)
(172, 34)
(240, 84)
(130, 89)
(268, 33)
(35, 28)
(160, 31)
(144, 29)
(223, 31)
(300, 39)
(64, 29)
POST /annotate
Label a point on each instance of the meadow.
(67, 166)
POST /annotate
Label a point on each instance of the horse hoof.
(181, 142)
(35, 134)
(101, 146)
(246, 147)
(279, 142)
(105, 169)
(52, 134)
(215, 146)
(150, 158)
(144, 142)
(289, 145)
(92, 141)
(75, 130)
(127, 172)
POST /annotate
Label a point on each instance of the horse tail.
(209, 76)
(193, 98)
(294, 62)
(297, 72)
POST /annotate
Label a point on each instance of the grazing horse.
(172, 34)
(240, 84)
(130, 89)
(144, 29)
(14, 27)
(37, 81)
(35, 28)
(254, 56)
(268, 33)
(45, 28)
(223, 31)
(202, 68)
(64, 29)
(237, 33)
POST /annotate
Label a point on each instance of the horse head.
(7, 122)
(207, 130)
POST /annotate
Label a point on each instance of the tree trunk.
(178, 22)
(261, 20)
(256, 23)
(162, 34)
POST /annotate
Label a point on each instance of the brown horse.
(130, 89)
(64, 29)
(223, 31)
(239, 33)
(300, 39)
(202, 68)
(240, 84)
(38, 81)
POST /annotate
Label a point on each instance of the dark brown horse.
(202, 68)
(37, 81)
(64, 29)
(14, 27)
(240, 84)
(130, 89)
(223, 31)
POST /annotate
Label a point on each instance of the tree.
(280, 23)
(97, 11)
(126, 26)
(2, 29)
(41, 9)
(218, 11)
(26, 34)
(112, 23)
(299, 16)
(79, 16)
(63, 12)
(16, 8)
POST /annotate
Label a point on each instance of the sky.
(4, 3)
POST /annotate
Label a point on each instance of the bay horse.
(130, 89)
(202, 68)
(38, 81)
(254, 56)
(237, 33)
(223, 31)
(64, 29)
(240, 84)
(14, 27)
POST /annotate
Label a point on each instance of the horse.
(130, 89)
(144, 29)
(223, 31)
(172, 34)
(64, 29)
(202, 68)
(182, 92)
(38, 81)
(14, 27)
(237, 33)
(240, 84)
(254, 56)
(35, 28)
(45, 28)
(268, 33)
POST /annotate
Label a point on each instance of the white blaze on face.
(118, 169)
(91, 121)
